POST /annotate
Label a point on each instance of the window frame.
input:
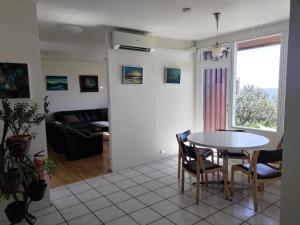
(281, 85)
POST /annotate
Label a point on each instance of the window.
(256, 83)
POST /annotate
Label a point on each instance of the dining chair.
(193, 163)
(261, 170)
(242, 154)
(203, 152)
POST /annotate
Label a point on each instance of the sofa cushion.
(71, 118)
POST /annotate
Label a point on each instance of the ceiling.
(162, 18)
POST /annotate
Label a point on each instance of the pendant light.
(217, 49)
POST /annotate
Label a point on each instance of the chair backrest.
(280, 144)
(270, 156)
(186, 151)
(230, 130)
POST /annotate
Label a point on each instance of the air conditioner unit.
(135, 42)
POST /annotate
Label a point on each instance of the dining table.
(226, 141)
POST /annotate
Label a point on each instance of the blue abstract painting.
(132, 75)
(172, 75)
(57, 83)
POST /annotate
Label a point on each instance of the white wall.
(290, 199)
(145, 118)
(73, 98)
(19, 43)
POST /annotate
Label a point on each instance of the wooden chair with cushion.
(203, 152)
(193, 163)
(261, 170)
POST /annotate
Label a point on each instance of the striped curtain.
(215, 82)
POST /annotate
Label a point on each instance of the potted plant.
(16, 211)
(20, 118)
(40, 167)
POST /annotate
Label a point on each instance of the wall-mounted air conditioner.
(135, 42)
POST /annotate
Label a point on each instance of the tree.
(254, 108)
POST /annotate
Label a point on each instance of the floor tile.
(162, 221)
(78, 187)
(59, 193)
(144, 169)
(221, 218)
(66, 202)
(53, 218)
(125, 220)
(125, 184)
(141, 179)
(268, 197)
(169, 170)
(131, 174)
(249, 203)
(109, 213)
(130, 205)
(44, 211)
(108, 189)
(262, 220)
(118, 197)
(98, 182)
(149, 198)
(182, 200)
(203, 222)
(217, 202)
(145, 216)
(153, 185)
(273, 212)
(239, 212)
(165, 207)
(74, 211)
(273, 189)
(159, 166)
(202, 210)
(89, 219)
(98, 203)
(168, 180)
(166, 192)
(137, 190)
(115, 178)
(177, 187)
(183, 217)
(156, 174)
(88, 195)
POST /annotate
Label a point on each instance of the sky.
(259, 66)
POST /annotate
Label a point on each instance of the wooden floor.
(73, 171)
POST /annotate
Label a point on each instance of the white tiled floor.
(149, 194)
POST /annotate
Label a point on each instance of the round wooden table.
(228, 141)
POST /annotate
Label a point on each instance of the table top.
(229, 140)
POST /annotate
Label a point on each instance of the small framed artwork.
(132, 75)
(172, 75)
(57, 83)
(88, 83)
(14, 80)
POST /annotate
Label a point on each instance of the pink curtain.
(215, 82)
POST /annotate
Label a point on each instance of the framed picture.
(132, 75)
(88, 83)
(14, 80)
(57, 83)
(172, 75)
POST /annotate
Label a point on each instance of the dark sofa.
(72, 133)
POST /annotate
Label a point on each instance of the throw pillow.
(71, 119)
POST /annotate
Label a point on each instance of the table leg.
(225, 168)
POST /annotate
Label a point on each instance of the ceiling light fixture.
(217, 49)
(72, 29)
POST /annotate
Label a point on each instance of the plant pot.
(10, 182)
(37, 189)
(15, 211)
(18, 145)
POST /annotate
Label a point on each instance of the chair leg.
(179, 165)
(213, 160)
(255, 195)
(182, 179)
(206, 180)
(218, 162)
(202, 177)
(197, 189)
(232, 180)
(261, 187)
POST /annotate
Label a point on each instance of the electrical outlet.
(163, 152)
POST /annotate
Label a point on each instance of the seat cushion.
(235, 154)
(192, 166)
(264, 171)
